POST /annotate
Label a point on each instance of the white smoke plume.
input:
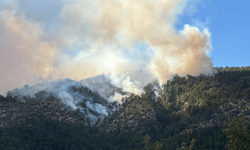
(135, 41)
(71, 93)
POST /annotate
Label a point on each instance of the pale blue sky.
(229, 23)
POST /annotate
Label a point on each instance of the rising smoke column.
(134, 39)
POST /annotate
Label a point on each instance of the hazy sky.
(229, 23)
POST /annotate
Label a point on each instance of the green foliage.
(237, 133)
(186, 95)
(191, 147)
(158, 146)
(185, 101)
(146, 142)
(43, 133)
(207, 138)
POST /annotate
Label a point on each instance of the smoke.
(133, 41)
(72, 94)
(112, 87)
(126, 84)
(116, 97)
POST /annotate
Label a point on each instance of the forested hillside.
(185, 107)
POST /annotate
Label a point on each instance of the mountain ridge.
(185, 107)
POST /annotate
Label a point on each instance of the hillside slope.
(184, 108)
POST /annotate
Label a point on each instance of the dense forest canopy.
(171, 114)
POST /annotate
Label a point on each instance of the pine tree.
(158, 146)
(191, 146)
(237, 133)
(146, 142)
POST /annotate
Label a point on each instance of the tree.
(191, 146)
(146, 142)
(237, 133)
(158, 146)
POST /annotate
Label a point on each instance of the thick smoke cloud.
(134, 41)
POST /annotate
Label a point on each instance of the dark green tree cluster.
(184, 101)
(40, 133)
(237, 132)
(158, 146)
(191, 146)
(188, 95)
